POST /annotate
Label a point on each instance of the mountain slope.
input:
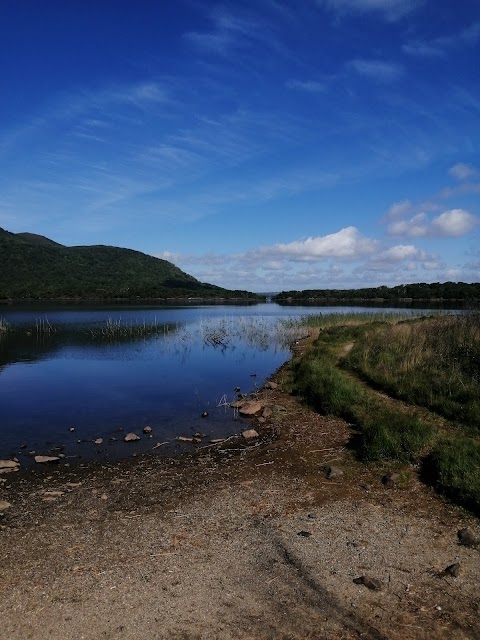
(32, 266)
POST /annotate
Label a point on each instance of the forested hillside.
(34, 267)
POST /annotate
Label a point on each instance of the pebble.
(147, 429)
(46, 459)
(371, 583)
(99, 441)
(453, 570)
(250, 434)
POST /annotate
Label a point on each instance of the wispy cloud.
(439, 46)
(463, 171)
(310, 86)
(391, 10)
(377, 70)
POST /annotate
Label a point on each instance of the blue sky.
(257, 144)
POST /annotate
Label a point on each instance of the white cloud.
(390, 9)
(399, 253)
(454, 223)
(462, 171)
(346, 243)
(377, 69)
(414, 227)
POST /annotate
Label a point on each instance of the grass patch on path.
(431, 364)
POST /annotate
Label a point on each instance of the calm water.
(70, 388)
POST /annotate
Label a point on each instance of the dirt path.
(256, 543)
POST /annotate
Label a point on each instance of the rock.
(72, 429)
(53, 494)
(271, 385)
(183, 439)
(261, 420)
(251, 409)
(267, 413)
(371, 583)
(453, 570)
(9, 464)
(238, 404)
(4, 505)
(46, 459)
(332, 472)
(304, 534)
(147, 429)
(217, 440)
(198, 436)
(468, 538)
(390, 480)
(205, 414)
(237, 390)
(99, 441)
(131, 437)
(250, 434)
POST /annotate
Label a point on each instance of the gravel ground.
(246, 542)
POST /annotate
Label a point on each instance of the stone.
(251, 409)
(8, 464)
(304, 534)
(46, 459)
(250, 434)
(131, 437)
(217, 440)
(184, 439)
(99, 441)
(371, 583)
(204, 414)
(54, 494)
(267, 413)
(453, 570)
(238, 404)
(332, 472)
(467, 538)
(271, 385)
(147, 429)
(4, 505)
(390, 480)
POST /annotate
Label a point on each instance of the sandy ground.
(246, 542)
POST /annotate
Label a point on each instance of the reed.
(4, 328)
(117, 329)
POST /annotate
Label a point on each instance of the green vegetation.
(34, 267)
(431, 363)
(117, 330)
(421, 292)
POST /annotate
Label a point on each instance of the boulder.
(8, 464)
(250, 434)
(467, 538)
(46, 459)
(131, 437)
(250, 409)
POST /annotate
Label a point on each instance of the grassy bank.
(432, 364)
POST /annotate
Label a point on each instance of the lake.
(72, 374)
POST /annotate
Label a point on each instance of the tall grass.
(433, 362)
(119, 330)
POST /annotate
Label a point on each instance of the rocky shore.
(278, 532)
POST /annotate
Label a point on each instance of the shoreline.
(255, 542)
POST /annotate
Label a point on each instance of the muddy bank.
(257, 541)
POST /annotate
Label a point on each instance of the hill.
(35, 267)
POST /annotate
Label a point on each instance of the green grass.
(454, 468)
(431, 363)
